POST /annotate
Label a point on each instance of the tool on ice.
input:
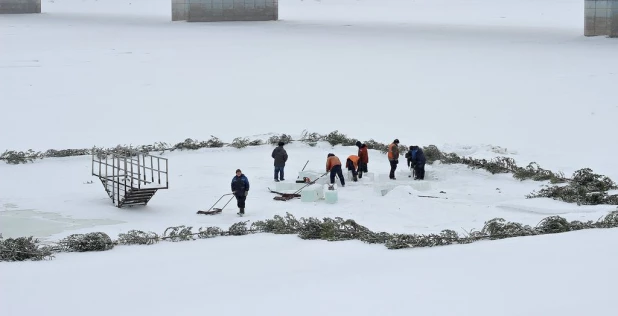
(412, 172)
(289, 196)
(304, 179)
(213, 211)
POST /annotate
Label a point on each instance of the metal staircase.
(130, 178)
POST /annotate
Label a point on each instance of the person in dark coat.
(240, 189)
(280, 156)
(363, 159)
(416, 159)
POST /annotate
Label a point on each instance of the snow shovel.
(213, 211)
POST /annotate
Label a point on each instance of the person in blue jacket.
(240, 189)
(416, 158)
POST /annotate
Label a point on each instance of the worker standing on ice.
(393, 157)
(333, 165)
(240, 189)
(280, 156)
(352, 164)
(363, 159)
(417, 160)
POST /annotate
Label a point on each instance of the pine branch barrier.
(329, 229)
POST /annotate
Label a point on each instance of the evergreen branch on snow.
(329, 229)
(274, 140)
(22, 249)
(18, 157)
(96, 241)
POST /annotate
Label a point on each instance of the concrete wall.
(180, 10)
(613, 29)
(20, 6)
(601, 18)
(225, 10)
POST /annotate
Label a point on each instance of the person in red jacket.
(363, 159)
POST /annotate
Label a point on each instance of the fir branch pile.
(584, 187)
(329, 229)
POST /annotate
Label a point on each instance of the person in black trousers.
(416, 159)
(333, 165)
(240, 189)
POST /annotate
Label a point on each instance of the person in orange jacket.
(363, 159)
(393, 157)
(352, 165)
(333, 165)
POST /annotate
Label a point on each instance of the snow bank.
(282, 275)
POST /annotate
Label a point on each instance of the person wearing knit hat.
(240, 189)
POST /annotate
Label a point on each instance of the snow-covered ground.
(282, 275)
(464, 75)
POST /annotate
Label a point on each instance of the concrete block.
(228, 5)
(180, 11)
(600, 17)
(601, 13)
(590, 5)
(601, 5)
(613, 28)
(225, 10)
(589, 22)
(20, 6)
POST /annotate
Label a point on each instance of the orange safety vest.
(331, 162)
(354, 159)
(391, 155)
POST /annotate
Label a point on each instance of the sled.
(213, 210)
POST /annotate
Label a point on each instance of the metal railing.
(124, 173)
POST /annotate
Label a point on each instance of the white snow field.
(479, 78)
